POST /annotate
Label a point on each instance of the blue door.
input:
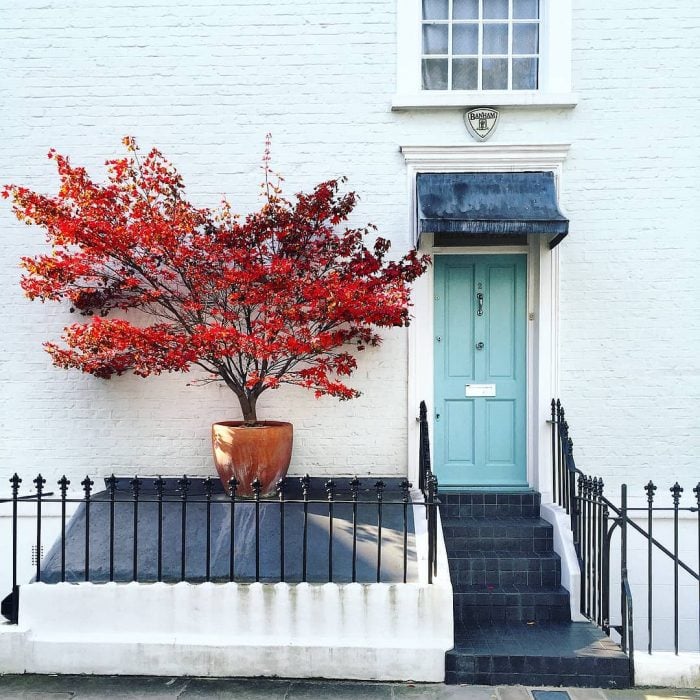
(480, 370)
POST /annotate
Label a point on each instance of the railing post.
(589, 543)
(39, 483)
(554, 449)
(571, 482)
(232, 485)
(330, 491)
(184, 485)
(429, 513)
(208, 488)
(136, 490)
(305, 484)
(405, 486)
(563, 431)
(15, 481)
(436, 500)
(605, 571)
(87, 485)
(650, 488)
(354, 493)
(160, 485)
(423, 448)
(257, 486)
(380, 497)
(280, 493)
(111, 482)
(623, 565)
(676, 491)
(580, 540)
(599, 552)
(696, 491)
(63, 484)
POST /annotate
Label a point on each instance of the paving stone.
(438, 691)
(237, 689)
(90, 687)
(513, 692)
(654, 694)
(586, 694)
(338, 690)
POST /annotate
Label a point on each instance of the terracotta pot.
(246, 452)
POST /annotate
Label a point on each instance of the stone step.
(574, 654)
(507, 604)
(479, 504)
(515, 534)
(504, 568)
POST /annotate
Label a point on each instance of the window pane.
(465, 73)
(525, 38)
(465, 38)
(496, 9)
(435, 74)
(495, 74)
(524, 74)
(526, 9)
(434, 38)
(435, 9)
(495, 38)
(465, 9)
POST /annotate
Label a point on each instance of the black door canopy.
(468, 205)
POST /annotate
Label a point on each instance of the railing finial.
(676, 491)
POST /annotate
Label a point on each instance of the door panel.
(480, 339)
(500, 433)
(460, 431)
(500, 303)
(459, 322)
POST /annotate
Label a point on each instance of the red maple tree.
(276, 297)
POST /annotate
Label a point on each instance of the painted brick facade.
(204, 81)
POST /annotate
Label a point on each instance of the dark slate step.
(506, 604)
(574, 654)
(480, 504)
(499, 568)
(515, 534)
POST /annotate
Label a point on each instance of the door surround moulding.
(542, 302)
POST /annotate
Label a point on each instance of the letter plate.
(480, 390)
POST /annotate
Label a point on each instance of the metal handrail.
(594, 518)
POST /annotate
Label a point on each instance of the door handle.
(480, 304)
(479, 346)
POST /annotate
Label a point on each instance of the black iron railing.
(594, 521)
(428, 484)
(187, 529)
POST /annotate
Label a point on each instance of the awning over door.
(463, 208)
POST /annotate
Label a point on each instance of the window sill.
(451, 99)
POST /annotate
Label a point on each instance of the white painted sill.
(451, 99)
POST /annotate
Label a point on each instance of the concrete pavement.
(34, 687)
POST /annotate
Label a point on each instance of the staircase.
(512, 616)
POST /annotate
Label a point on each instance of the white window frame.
(554, 77)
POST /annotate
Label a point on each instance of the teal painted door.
(480, 370)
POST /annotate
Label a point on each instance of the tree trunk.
(248, 409)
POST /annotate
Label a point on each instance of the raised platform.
(369, 565)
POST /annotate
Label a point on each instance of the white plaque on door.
(480, 390)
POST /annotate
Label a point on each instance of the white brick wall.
(204, 81)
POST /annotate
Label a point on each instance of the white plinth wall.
(360, 631)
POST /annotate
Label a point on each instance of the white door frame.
(542, 297)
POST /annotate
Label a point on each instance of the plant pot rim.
(258, 424)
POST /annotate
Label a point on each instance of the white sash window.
(499, 52)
